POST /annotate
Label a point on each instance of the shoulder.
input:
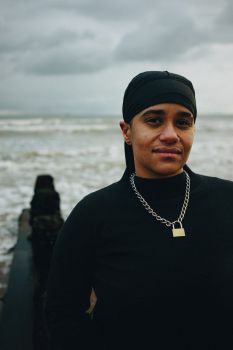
(105, 191)
(89, 213)
(217, 188)
(103, 198)
(217, 183)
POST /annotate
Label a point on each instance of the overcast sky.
(77, 56)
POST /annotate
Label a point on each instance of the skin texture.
(161, 137)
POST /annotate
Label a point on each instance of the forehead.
(166, 108)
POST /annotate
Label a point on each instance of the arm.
(70, 283)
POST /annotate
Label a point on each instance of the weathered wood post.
(22, 323)
(46, 222)
(16, 325)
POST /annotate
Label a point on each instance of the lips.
(166, 150)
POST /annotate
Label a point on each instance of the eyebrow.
(185, 114)
(161, 112)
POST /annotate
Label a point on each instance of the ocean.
(83, 154)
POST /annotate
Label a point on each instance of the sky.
(78, 56)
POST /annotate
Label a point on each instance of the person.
(156, 246)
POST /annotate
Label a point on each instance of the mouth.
(167, 151)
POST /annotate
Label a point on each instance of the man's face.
(161, 137)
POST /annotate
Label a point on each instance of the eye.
(154, 121)
(184, 122)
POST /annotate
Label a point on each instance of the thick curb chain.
(153, 213)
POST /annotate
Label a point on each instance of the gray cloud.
(60, 52)
(86, 36)
(155, 42)
(29, 42)
(106, 10)
(60, 49)
(121, 10)
(179, 37)
(69, 61)
(223, 25)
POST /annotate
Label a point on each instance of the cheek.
(188, 142)
(141, 136)
(141, 141)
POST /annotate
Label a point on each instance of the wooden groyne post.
(16, 323)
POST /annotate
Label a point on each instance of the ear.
(126, 131)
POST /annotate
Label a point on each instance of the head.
(159, 111)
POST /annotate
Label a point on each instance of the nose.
(169, 134)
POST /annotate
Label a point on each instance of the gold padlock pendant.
(178, 232)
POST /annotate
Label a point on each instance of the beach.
(83, 154)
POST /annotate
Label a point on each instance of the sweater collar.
(170, 187)
(167, 188)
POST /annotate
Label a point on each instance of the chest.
(138, 253)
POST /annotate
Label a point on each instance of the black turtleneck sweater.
(153, 291)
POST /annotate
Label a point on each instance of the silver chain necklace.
(177, 232)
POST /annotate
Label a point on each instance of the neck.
(162, 188)
(153, 175)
